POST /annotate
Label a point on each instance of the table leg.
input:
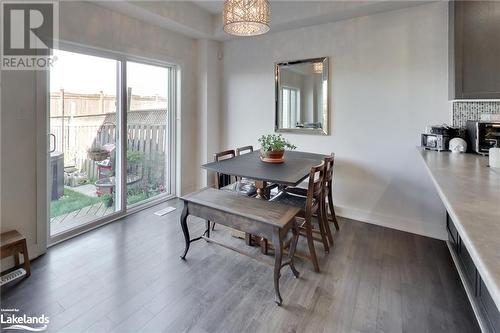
(207, 228)
(293, 247)
(185, 231)
(264, 247)
(26, 258)
(248, 239)
(262, 193)
(278, 254)
(261, 190)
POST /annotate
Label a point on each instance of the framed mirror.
(301, 96)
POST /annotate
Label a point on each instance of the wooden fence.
(147, 137)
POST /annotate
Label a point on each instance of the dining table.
(291, 172)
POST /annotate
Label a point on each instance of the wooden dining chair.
(310, 205)
(225, 182)
(244, 150)
(327, 196)
(270, 186)
(330, 161)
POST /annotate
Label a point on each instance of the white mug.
(494, 157)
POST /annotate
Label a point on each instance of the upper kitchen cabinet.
(475, 49)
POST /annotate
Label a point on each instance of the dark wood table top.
(291, 172)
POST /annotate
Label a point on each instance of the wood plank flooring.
(127, 277)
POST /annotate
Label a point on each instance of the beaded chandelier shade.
(318, 67)
(246, 17)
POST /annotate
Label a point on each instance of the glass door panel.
(147, 167)
(84, 140)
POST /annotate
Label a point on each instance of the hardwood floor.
(127, 276)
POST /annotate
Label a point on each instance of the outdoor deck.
(79, 217)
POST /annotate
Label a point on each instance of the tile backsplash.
(472, 110)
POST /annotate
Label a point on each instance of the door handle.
(53, 140)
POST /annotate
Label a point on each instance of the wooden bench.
(272, 221)
(11, 244)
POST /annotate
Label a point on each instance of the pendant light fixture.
(318, 67)
(246, 17)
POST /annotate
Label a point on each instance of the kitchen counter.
(470, 192)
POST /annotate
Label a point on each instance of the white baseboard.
(432, 230)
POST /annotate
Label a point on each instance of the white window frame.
(291, 116)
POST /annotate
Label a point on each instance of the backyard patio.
(84, 180)
(81, 205)
(80, 216)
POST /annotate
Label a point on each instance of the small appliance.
(458, 145)
(482, 135)
(439, 137)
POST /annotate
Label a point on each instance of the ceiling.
(213, 7)
(202, 19)
(287, 15)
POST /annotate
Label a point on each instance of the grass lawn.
(71, 201)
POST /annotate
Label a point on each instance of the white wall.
(24, 111)
(209, 54)
(389, 80)
(89, 24)
(20, 110)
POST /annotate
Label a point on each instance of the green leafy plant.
(273, 142)
(134, 157)
(107, 199)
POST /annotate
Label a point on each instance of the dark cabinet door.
(452, 233)
(468, 266)
(489, 308)
(477, 49)
(488, 311)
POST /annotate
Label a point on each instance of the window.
(291, 106)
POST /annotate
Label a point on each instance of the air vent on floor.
(165, 211)
(12, 276)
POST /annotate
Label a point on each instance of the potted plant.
(107, 199)
(272, 148)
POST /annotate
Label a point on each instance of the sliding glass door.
(84, 140)
(148, 132)
(110, 138)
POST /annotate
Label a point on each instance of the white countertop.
(471, 193)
